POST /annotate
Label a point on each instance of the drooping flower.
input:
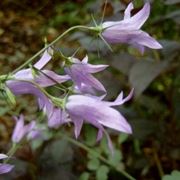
(97, 112)
(21, 87)
(81, 73)
(21, 130)
(5, 168)
(128, 30)
(57, 118)
(44, 78)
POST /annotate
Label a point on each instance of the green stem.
(11, 152)
(56, 101)
(79, 144)
(49, 45)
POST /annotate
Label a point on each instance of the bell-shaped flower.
(128, 30)
(57, 118)
(21, 130)
(97, 112)
(5, 168)
(81, 73)
(43, 78)
(21, 87)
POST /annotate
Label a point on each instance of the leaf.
(55, 161)
(142, 128)
(122, 138)
(116, 158)
(90, 135)
(122, 62)
(104, 146)
(93, 164)
(175, 16)
(84, 176)
(175, 175)
(169, 47)
(10, 96)
(169, 2)
(4, 110)
(102, 173)
(143, 73)
(57, 152)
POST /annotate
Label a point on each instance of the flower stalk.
(49, 45)
(93, 152)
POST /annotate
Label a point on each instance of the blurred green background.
(153, 149)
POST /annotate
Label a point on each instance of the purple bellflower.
(57, 118)
(44, 78)
(5, 168)
(22, 84)
(128, 30)
(55, 115)
(95, 111)
(21, 130)
(81, 73)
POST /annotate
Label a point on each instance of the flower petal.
(46, 57)
(144, 39)
(119, 100)
(139, 18)
(5, 168)
(19, 130)
(78, 122)
(91, 109)
(48, 78)
(3, 156)
(127, 12)
(55, 118)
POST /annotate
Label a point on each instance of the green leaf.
(175, 175)
(102, 173)
(84, 176)
(90, 135)
(122, 138)
(3, 110)
(116, 158)
(104, 146)
(10, 96)
(93, 164)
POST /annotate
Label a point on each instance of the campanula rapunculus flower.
(5, 168)
(81, 73)
(57, 118)
(21, 87)
(128, 30)
(43, 78)
(95, 111)
(21, 130)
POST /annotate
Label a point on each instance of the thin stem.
(49, 45)
(106, 43)
(62, 88)
(103, 159)
(104, 10)
(94, 20)
(158, 163)
(12, 152)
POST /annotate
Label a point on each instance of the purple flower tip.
(128, 30)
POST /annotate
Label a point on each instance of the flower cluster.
(79, 103)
